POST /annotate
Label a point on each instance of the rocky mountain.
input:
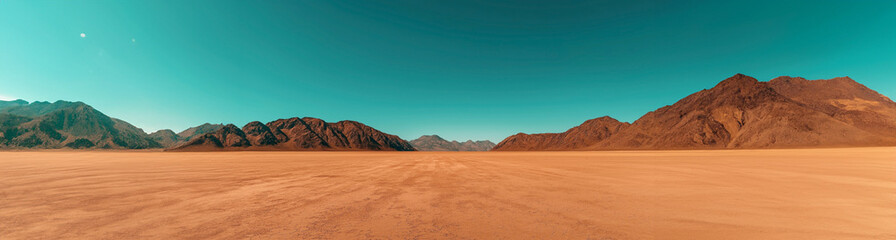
(741, 112)
(436, 143)
(588, 133)
(63, 124)
(296, 134)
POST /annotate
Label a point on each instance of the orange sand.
(737, 194)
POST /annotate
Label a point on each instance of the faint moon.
(83, 35)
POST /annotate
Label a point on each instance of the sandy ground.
(742, 194)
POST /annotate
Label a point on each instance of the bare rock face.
(297, 134)
(588, 133)
(741, 112)
(436, 143)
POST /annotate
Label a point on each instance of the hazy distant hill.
(188, 134)
(436, 143)
(741, 112)
(167, 138)
(296, 134)
(65, 124)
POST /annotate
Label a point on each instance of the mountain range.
(296, 134)
(740, 112)
(436, 143)
(63, 124)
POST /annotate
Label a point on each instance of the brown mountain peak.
(259, 134)
(738, 80)
(255, 127)
(601, 120)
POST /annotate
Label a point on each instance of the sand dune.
(721, 194)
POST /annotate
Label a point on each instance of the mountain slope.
(67, 124)
(588, 133)
(296, 134)
(436, 143)
(843, 99)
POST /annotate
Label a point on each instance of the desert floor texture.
(723, 194)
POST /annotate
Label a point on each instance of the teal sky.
(460, 69)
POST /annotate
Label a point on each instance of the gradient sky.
(460, 69)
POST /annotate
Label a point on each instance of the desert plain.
(843, 193)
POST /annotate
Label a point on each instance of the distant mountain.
(588, 133)
(6, 104)
(63, 124)
(296, 134)
(741, 112)
(436, 143)
(165, 137)
(188, 134)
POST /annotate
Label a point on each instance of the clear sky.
(462, 69)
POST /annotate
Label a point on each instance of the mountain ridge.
(437, 143)
(296, 134)
(742, 112)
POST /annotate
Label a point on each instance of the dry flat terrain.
(721, 194)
